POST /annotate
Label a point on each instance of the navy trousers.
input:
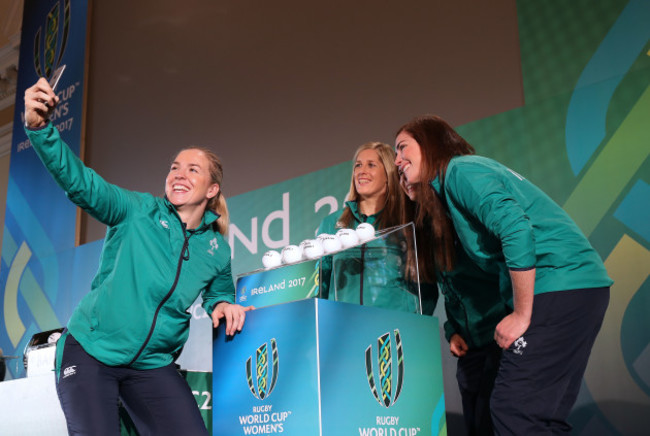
(159, 401)
(475, 373)
(540, 374)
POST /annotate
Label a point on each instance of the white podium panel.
(30, 406)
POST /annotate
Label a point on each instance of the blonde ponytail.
(219, 206)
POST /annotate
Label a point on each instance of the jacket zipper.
(182, 258)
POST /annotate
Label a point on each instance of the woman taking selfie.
(159, 255)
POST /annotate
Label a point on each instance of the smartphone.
(54, 80)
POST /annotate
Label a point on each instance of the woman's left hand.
(234, 315)
(511, 328)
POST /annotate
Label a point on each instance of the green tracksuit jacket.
(151, 269)
(473, 302)
(504, 223)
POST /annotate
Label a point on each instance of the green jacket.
(504, 222)
(151, 269)
(373, 272)
(473, 302)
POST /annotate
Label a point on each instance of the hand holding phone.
(39, 97)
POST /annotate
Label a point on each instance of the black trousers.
(159, 401)
(540, 374)
(475, 373)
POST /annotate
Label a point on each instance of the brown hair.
(439, 143)
(422, 245)
(390, 215)
(217, 204)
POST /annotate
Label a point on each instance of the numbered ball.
(365, 232)
(312, 249)
(348, 237)
(331, 243)
(271, 259)
(303, 244)
(322, 236)
(291, 254)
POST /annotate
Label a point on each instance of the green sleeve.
(222, 287)
(449, 330)
(84, 187)
(481, 192)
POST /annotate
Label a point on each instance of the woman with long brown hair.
(492, 227)
(471, 320)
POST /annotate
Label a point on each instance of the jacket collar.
(209, 217)
(354, 208)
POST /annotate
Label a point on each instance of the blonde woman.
(372, 275)
(159, 255)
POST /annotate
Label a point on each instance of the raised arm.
(104, 201)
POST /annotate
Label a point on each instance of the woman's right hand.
(457, 345)
(40, 101)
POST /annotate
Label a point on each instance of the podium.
(306, 366)
(327, 368)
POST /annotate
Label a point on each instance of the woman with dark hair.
(159, 255)
(471, 320)
(487, 218)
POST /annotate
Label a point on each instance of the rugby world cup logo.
(50, 44)
(262, 369)
(387, 379)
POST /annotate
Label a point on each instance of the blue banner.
(38, 252)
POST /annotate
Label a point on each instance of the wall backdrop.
(559, 91)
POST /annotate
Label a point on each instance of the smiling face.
(189, 184)
(408, 157)
(369, 175)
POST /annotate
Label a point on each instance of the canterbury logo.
(70, 370)
(388, 397)
(49, 45)
(264, 388)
